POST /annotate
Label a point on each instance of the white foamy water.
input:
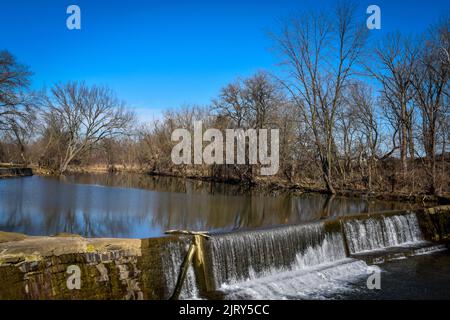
(321, 282)
(303, 261)
(172, 259)
(379, 233)
(298, 262)
(251, 255)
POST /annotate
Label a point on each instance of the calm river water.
(138, 205)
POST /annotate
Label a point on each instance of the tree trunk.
(326, 169)
(403, 137)
(433, 189)
(410, 140)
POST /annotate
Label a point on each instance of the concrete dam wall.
(237, 265)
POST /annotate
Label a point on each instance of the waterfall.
(382, 232)
(296, 262)
(254, 254)
(320, 282)
(172, 257)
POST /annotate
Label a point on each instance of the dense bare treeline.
(353, 113)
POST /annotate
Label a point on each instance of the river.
(139, 206)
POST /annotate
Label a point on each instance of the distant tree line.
(353, 113)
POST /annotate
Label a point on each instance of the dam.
(306, 261)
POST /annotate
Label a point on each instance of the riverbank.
(109, 268)
(10, 172)
(266, 185)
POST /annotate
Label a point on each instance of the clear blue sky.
(162, 54)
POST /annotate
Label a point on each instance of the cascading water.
(320, 282)
(172, 258)
(297, 262)
(253, 254)
(382, 232)
(284, 262)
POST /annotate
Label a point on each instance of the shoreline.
(11, 172)
(270, 186)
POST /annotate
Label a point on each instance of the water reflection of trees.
(133, 205)
(155, 183)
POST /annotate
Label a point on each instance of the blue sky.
(163, 54)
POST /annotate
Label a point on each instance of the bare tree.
(86, 116)
(430, 79)
(18, 105)
(361, 99)
(262, 97)
(395, 62)
(345, 138)
(321, 52)
(232, 103)
(14, 78)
